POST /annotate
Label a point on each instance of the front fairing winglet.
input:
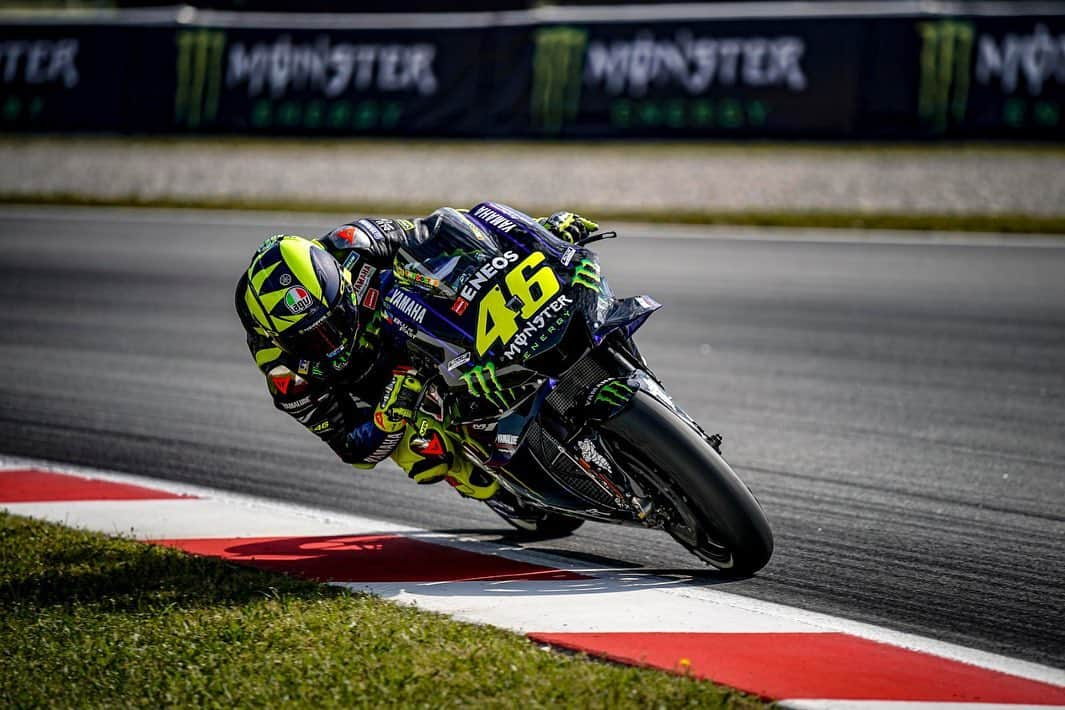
(627, 313)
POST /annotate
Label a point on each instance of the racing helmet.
(302, 299)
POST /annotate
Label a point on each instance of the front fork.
(609, 399)
(605, 401)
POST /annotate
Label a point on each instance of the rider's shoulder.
(365, 233)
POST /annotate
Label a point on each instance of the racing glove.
(569, 226)
(398, 401)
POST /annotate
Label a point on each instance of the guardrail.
(829, 70)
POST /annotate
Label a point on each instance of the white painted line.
(187, 518)
(601, 604)
(611, 598)
(625, 230)
(827, 235)
(902, 705)
(263, 507)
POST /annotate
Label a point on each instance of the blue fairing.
(456, 299)
(518, 229)
(627, 313)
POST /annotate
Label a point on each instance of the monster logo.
(558, 67)
(587, 275)
(481, 382)
(946, 65)
(371, 333)
(613, 393)
(199, 76)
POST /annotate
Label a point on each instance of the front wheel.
(710, 510)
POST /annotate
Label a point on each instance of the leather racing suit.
(339, 407)
(346, 408)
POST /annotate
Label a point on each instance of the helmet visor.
(329, 337)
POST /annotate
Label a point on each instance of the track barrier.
(830, 70)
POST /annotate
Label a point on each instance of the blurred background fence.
(818, 70)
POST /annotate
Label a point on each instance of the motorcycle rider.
(312, 311)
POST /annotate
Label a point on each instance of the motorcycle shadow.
(444, 563)
(554, 571)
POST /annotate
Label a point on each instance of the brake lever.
(597, 237)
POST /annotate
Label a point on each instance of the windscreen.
(456, 247)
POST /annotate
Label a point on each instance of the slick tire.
(723, 522)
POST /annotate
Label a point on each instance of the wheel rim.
(692, 532)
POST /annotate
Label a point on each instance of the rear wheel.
(709, 509)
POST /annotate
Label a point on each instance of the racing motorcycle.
(529, 361)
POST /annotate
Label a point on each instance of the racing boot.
(428, 455)
(471, 481)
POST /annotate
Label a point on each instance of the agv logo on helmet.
(297, 299)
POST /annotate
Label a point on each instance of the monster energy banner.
(892, 77)
(326, 82)
(709, 78)
(926, 75)
(48, 79)
(1003, 77)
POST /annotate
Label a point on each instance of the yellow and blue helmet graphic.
(299, 296)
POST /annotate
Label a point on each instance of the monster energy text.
(40, 61)
(558, 65)
(946, 66)
(539, 328)
(1016, 61)
(694, 64)
(331, 69)
(199, 76)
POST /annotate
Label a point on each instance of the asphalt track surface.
(898, 406)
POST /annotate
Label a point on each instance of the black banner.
(331, 82)
(979, 77)
(1001, 77)
(920, 76)
(719, 78)
(61, 78)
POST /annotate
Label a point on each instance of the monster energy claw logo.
(481, 382)
(614, 393)
(199, 76)
(587, 274)
(946, 65)
(558, 67)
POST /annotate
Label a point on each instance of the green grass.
(996, 223)
(91, 621)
